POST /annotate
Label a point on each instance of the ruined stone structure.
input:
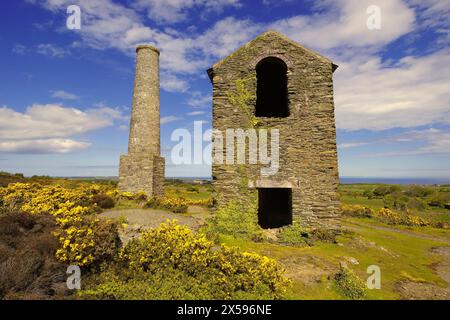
(288, 87)
(142, 169)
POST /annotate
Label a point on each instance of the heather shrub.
(83, 240)
(28, 266)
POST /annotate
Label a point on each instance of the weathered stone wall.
(308, 156)
(143, 168)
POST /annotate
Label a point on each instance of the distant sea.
(352, 180)
(343, 180)
(429, 181)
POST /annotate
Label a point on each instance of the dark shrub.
(419, 191)
(383, 190)
(103, 201)
(28, 267)
(107, 240)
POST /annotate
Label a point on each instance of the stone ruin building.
(283, 86)
(287, 87)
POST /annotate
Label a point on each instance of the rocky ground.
(141, 219)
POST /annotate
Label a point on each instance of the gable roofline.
(210, 71)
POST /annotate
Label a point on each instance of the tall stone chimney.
(142, 169)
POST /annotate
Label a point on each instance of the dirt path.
(139, 220)
(405, 232)
(151, 218)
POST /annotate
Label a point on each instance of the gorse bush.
(175, 204)
(349, 284)
(81, 237)
(357, 211)
(388, 216)
(87, 241)
(228, 272)
(385, 215)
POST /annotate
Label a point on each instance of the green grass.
(180, 190)
(406, 257)
(374, 204)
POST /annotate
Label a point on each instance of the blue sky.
(65, 95)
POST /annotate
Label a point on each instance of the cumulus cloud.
(199, 100)
(19, 49)
(173, 11)
(51, 50)
(369, 93)
(347, 145)
(342, 23)
(42, 146)
(50, 126)
(168, 119)
(172, 83)
(376, 96)
(426, 141)
(196, 113)
(61, 94)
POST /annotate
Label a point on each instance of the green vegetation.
(349, 284)
(171, 262)
(238, 219)
(231, 257)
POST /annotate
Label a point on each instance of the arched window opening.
(271, 92)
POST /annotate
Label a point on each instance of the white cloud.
(431, 141)
(226, 35)
(369, 94)
(19, 49)
(61, 94)
(376, 96)
(168, 119)
(347, 145)
(53, 121)
(342, 23)
(173, 11)
(51, 125)
(172, 83)
(199, 100)
(196, 113)
(51, 50)
(42, 146)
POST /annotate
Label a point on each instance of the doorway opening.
(274, 207)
